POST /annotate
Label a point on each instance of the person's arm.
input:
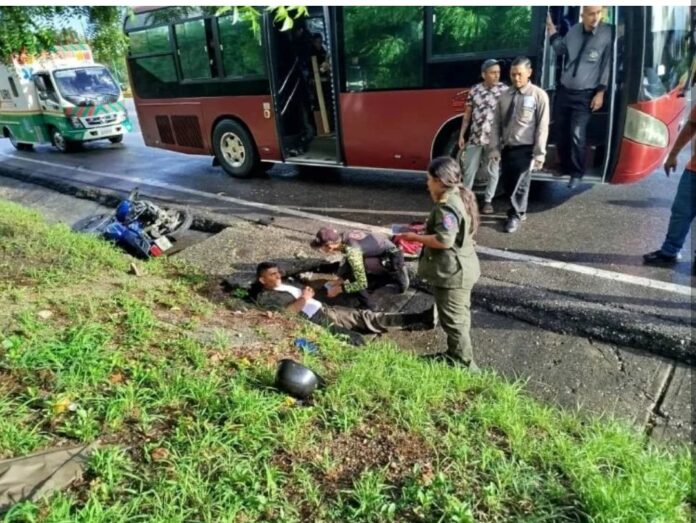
(541, 133)
(598, 98)
(354, 257)
(297, 305)
(466, 118)
(428, 240)
(686, 134)
(446, 228)
(557, 42)
(496, 131)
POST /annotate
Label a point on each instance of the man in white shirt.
(275, 295)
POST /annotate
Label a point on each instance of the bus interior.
(302, 72)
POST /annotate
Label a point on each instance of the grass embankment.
(177, 385)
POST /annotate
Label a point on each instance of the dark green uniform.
(452, 272)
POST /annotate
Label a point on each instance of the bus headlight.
(75, 122)
(645, 129)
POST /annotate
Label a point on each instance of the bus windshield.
(87, 84)
(667, 56)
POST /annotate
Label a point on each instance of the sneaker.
(573, 183)
(512, 224)
(523, 217)
(659, 258)
(487, 208)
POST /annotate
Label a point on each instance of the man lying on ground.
(272, 294)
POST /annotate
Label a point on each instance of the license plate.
(163, 243)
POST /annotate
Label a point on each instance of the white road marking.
(508, 255)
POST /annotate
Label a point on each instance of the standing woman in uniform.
(448, 260)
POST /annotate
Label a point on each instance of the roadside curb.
(554, 311)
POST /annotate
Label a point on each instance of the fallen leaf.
(269, 314)
(159, 454)
(175, 308)
(117, 377)
(289, 401)
(61, 405)
(216, 357)
(44, 315)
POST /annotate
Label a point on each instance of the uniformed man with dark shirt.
(367, 255)
(587, 51)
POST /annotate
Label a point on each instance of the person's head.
(490, 72)
(444, 174)
(327, 240)
(520, 72)
(268, 275)
(591, 15)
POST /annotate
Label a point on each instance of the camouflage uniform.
(452, 272)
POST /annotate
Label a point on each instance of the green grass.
(192, 429)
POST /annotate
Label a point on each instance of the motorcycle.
(139, 226)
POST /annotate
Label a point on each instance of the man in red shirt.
(684, 206)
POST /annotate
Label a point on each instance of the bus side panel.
(395, 129)
(169, 123)
(637, 161)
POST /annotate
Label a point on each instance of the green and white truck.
(61, 98)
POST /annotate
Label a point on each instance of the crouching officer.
(370, 260)
(448, 261)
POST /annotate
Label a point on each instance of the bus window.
(387, 43)
(153, 76)
(242, 53)
(13, 86)
(192, 48)
(667, 56)
(155, 40)
(464, 30)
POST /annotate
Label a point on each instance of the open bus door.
(600, 128)
(302, 69)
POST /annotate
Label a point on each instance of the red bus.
(384, 87)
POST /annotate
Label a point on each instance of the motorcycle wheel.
(184, 221)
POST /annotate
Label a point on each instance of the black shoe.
(512, 224)
(573, 183)
(659, 258)
(402, 279)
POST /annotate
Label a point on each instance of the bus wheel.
(60, 142)
(18, 145)
(234, 149)
(116, 139)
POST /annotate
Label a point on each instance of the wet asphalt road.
(602, 226)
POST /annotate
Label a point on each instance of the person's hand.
(307, 293)
(550, 26)
(407, 236)
(670, 163)
(597, 101)
(537, 165)
(461, 142)
(334, 289)
(494, 156)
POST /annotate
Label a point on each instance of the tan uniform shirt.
(529, 124)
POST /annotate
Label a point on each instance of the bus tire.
(60, 142)
(234, 149)
(116, 139)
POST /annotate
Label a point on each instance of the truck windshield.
(87, 82)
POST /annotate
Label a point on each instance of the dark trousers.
(574, 113)
(516, 175)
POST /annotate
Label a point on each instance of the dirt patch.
(341, 458)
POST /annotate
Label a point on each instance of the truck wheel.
(60, 142)
(234, 149)
(18, 145)
(116, 139)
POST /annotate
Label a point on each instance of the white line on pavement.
(508, 255)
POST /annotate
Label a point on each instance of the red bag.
(409, 248)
